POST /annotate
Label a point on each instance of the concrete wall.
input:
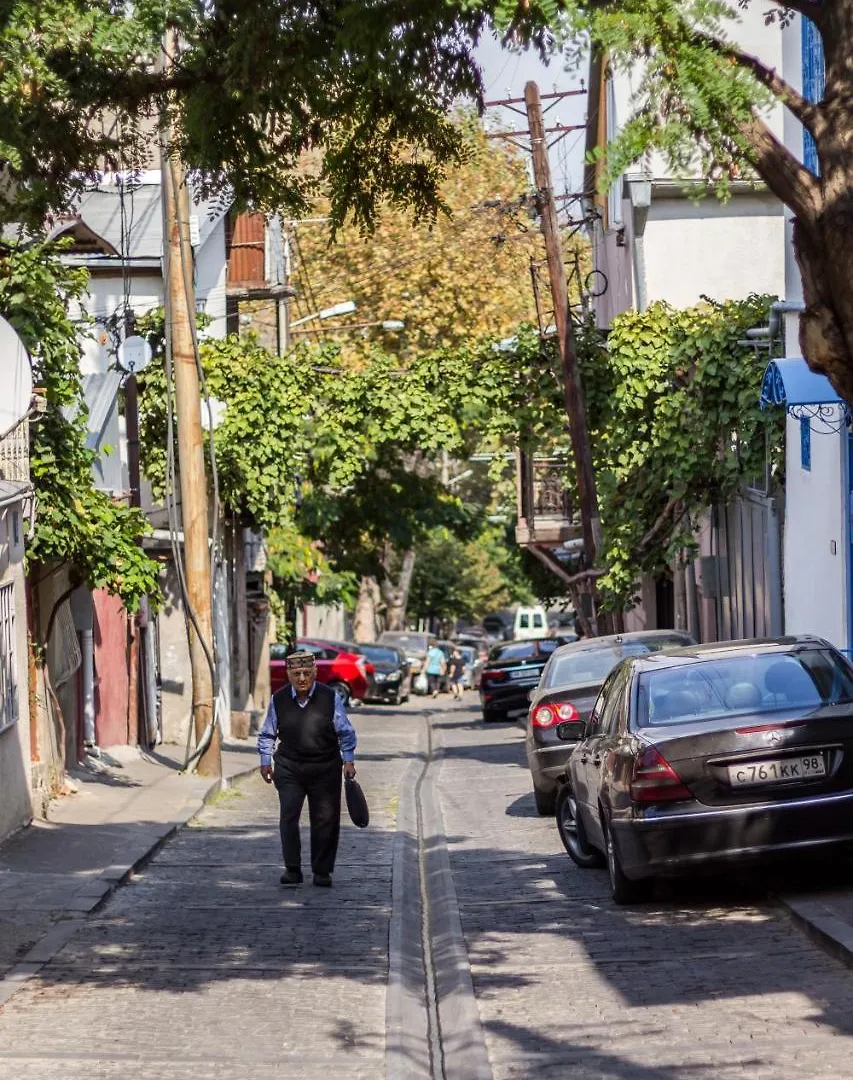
(323, 621)
(816, 540)
(722, 250)
(16, 807)
(174, 661)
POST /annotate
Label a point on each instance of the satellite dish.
(16, 378)
(134, 354)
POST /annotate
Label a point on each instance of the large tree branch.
(804, 110)
(779, 169)
(812, 9)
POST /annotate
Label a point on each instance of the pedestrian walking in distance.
(457, 673)
(436, 666)
(305, 741)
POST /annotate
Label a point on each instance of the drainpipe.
(778, 309)
(639, 190)
(87, 650)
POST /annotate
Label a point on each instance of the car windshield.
(732, 686)
(379, 655)
(592, 665)
(522, 650)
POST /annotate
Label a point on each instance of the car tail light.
(555, 713)
(493, 676)
(655, 780)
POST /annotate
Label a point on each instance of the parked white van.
(530, 622)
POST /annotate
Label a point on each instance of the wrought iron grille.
(8, 668)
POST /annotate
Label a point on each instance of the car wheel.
(545, 802)
(572, 832)
(342, 690)
(624, 890)
(492, 716)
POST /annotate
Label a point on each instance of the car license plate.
(525, 675)
(771, 772)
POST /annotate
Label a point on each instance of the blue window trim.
(814, 79)
(805, 444)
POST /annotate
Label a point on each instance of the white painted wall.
(16, 807)
(722, 250)
(815, 558)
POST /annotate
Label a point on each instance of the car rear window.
(733, 686)
(595, 664)
(522, 650)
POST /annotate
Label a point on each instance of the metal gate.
(746, 546)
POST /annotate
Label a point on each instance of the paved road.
(203, 966)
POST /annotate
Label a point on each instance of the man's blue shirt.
(343, 728)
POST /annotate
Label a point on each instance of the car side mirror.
(570, 730)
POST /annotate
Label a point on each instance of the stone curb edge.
(462, 1036)
(817, 921)
(406, 1034)
(101, 888)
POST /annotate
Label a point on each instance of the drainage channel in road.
(433, 1024)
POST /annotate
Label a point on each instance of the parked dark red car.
(346, 672)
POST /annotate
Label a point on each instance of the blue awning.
(790, 381)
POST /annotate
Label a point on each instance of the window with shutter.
(813, 84)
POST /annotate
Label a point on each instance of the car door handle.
(597, 759)
(584, 759)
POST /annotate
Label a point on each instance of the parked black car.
(711, 756)
(567, 691)
(510, 673)
(392, 678)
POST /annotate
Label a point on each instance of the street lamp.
(347, 307)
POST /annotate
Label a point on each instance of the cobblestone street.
(204, 966)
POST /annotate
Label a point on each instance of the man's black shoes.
(324, 881)
(292, 877)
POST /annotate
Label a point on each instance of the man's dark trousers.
(320, 783)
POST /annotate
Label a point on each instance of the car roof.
(608, 641)
(727, 650)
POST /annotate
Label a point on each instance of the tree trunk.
(396, 594)
(365, 621)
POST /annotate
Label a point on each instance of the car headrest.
(788, 680)
(675, 703)
(743, 695)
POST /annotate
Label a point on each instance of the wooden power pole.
(573, 389)
(180, 300)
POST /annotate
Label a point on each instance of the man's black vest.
(307, 733)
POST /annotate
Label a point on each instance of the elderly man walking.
(305, 740)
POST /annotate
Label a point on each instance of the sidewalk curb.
(817, 921)
(406, 1025)
(101, 888)
(463, 1040)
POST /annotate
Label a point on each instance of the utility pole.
(180, 306)
(573, 391)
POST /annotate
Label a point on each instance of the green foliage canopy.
(269, 99)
